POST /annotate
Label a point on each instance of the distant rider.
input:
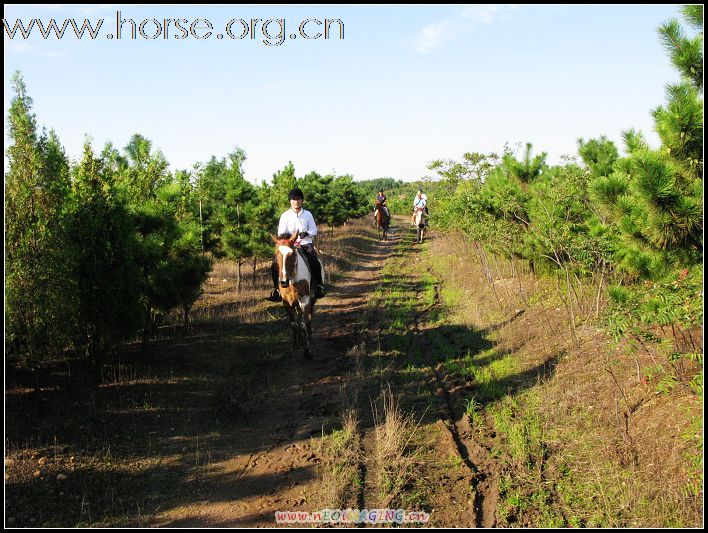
(297, 219)
(420, 203)
(381, 198)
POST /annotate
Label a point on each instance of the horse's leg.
(303, 330)
(292, 316)
(293, 327)
(310, 314)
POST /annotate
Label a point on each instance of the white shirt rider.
(290, 222)
(420, 201)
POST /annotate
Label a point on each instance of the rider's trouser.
(312, 260)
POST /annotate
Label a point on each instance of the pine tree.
(142, 171)
(263, 222)
(344, 202)
(319, 198)
(167, 252)
(655, 196)
(598, 154)
(209, 192)
(37, 280)
(686, 53)
(105, 268)
(526, 169)
(283, 181)
(233, 213)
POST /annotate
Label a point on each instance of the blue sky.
(405, 85)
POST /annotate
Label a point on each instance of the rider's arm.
(310, 226)
(288, 224)
(283, 224)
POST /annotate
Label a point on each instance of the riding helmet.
(296, 194)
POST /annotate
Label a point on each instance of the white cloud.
(56, 55)
(485, 13)
(21, 47)
(434, 35)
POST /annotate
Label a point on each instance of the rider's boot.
(275, 296)
(320, 291)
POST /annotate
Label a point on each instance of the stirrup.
(275, 296)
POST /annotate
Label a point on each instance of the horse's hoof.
(308, 355)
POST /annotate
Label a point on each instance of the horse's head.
(287, 259)
(378, 203)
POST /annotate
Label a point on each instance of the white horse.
(420, 223)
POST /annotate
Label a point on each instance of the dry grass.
(341, 479)
(617, 452)
(341, 473)
(395, 456)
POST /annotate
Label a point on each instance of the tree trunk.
(146, 326)
(254, 271)
(201, 226)
(186, 316)
(238, 276)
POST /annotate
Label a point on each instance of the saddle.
(384, 213)
(311, 262)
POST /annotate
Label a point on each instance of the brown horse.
(382, 220)
(296, 291)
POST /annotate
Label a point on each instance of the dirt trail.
(271, 464)
(228, 427)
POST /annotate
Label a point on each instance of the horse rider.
(381, 199)
(297, 219)
(420, 203)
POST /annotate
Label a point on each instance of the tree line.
(635, 218)
(97, 250)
